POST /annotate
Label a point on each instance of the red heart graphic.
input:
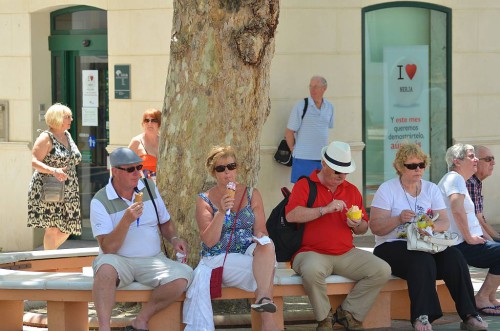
(411, 69)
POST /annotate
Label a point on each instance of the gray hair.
(321, 79)
(478, 149)
(456, 152)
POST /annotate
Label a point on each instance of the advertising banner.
(406, 101)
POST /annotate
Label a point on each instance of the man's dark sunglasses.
(339, 173)
(487, 158)
(222, 168)
(131, 169)
(413, 166)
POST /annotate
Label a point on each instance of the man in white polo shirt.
(130, 245)
(307, 129)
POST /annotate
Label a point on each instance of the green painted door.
(78, 44)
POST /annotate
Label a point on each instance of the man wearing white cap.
(130, 245)
(327, 244)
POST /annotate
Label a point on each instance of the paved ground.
(298, 307)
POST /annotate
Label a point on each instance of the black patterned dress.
(66, 214)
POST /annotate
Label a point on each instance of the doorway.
(80, 79)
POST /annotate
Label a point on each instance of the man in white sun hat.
(327, 246)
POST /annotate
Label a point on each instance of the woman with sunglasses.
(399, 202)
(478, 251)
(231, 224)
(55, 154)
(146, 144)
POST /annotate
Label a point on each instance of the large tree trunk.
(217, 92)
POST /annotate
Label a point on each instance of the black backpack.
(287, 237)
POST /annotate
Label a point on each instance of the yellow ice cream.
(354, 213)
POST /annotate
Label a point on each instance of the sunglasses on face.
(487, 158)
(413, 166)
(339, 173)
(222, 168)
(150, 120)
(131, 169)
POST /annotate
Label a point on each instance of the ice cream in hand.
(354, 213)
(231, 191)
(138, 197)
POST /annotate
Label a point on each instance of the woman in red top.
(146, 143)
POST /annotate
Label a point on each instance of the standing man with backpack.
(327, 243)
(307, 129)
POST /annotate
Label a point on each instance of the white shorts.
(238, 269)
(151, 271)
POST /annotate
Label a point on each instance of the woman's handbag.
(436, 243)
(52, 189)
(216, 276)
(216, 282)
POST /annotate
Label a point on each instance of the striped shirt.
(311, 133)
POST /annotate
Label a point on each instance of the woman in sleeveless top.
(249, 265)
(55, 154)
(146, 144)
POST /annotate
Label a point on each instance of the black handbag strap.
(145, 180)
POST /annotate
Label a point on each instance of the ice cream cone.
(231, 189)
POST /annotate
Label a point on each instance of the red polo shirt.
(328, 234)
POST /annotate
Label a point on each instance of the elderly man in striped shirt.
(307, 129)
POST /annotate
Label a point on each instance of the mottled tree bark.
(217, 92)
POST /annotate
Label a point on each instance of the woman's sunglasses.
(131, 169)
(413, 166)
(150, 120)
(222, 168)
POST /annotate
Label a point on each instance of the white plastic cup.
(181, 257)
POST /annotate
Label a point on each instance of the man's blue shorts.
(302, 167)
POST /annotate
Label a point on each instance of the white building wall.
(313, 37)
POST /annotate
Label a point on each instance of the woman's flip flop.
(264, 307)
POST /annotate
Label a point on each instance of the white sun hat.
(337, 156)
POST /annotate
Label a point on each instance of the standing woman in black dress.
(55, 154)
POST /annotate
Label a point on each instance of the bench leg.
(12, 315)
(336, 300)
(171, 316)
(445, 299)
(400, 305)
(67, 316)
(379, 315)
(278, 316)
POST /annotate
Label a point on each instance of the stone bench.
(62, 260)
(68, 293)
